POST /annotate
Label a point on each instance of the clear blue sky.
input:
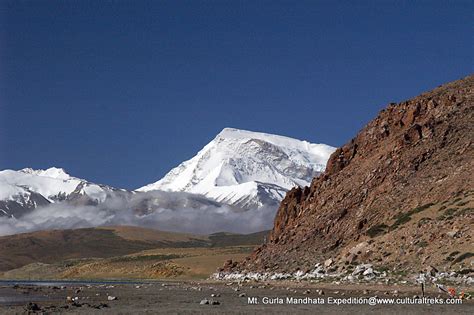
(119, 92)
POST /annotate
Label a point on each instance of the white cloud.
(179, 212)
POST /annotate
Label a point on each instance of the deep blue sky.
(119, 92)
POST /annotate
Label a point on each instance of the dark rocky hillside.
(399, 194)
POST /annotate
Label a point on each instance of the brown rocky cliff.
(413, 153)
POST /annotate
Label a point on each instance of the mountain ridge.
(24, 190)
(108, 241)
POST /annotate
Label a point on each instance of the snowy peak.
(24, 190)
(50, 183)
(282, 141)
(280, 148)
(247, 168)
(52, 172)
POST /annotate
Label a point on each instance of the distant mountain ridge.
(57, 245)
(247, 169)
(24, 190)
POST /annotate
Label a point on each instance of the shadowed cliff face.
(412, 154)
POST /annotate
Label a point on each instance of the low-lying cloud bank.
(177, 212)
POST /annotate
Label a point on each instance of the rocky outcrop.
(413, 155)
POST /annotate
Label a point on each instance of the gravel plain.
(207, 298)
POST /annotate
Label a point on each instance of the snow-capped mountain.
(24, 190)
(250, 171)
(247, 169)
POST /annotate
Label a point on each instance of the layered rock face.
(385, 190)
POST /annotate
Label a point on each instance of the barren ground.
(185, 297)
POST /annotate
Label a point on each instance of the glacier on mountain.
(247, 169)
